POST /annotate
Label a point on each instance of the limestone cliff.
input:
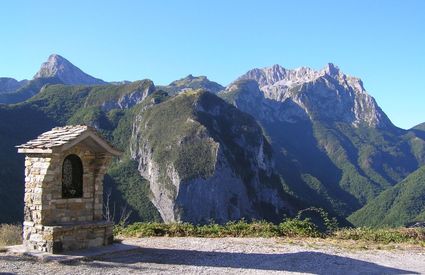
(206, 160)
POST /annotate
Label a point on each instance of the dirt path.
(229, 255)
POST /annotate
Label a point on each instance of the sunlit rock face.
(327, 94)
(58, 67)
(211, 164)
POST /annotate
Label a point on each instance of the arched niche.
(72, 177)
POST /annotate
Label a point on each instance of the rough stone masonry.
(64, 170)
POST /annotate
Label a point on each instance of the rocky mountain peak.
(331, 69)
(280, 76)
(59, 67)
(326, 94)
(55, 58)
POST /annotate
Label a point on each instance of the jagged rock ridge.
(327, 94)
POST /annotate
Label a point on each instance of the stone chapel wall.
(44, 205)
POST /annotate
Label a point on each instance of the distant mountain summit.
(9, 85)
(420, 127)
(56, 70)
(191, 82)
(58, 67)
(327, 94)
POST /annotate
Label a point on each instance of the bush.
(254, 229)
(298, 228)
(320, 218)
(10, 234)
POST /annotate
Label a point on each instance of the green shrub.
(181, 230)
(320, 218)
(254, 229)
(298, 228)
(211, 230)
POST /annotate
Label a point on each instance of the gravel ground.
(229, 255)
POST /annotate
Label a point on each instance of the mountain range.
(272, 142)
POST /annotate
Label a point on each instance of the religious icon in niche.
(72, 177)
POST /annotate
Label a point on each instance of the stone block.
(36, 238)
(75, 207)
(39, 227)
(28, 223)
(95, 242)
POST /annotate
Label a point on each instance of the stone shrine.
(64, 171)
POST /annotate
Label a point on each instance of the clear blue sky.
(382, 42)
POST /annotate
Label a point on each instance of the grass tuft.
(10, 234)
(382, 235)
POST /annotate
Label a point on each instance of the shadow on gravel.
(307, 262)
(12, 258)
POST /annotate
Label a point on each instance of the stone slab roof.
(62, 138)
